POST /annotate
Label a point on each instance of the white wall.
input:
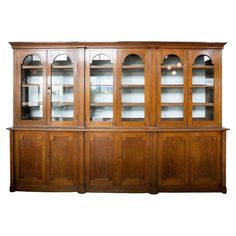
(117, 214)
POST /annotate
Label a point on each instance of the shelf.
(133, 67)
(205, 104)
(31, 85)
(202, 86)
(62, 66)
(62, 104)
(64, 85)
(132, 104)
(172, 104)
(32, 67)
(101, 67)
(169, 67)
(101, 85)
(202, 67)
(132, 86)
(172, 86)
(31, 104)
(101, 104)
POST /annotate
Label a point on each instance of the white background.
(117, 214)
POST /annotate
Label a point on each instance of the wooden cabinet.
(118, 117)
(48, 161)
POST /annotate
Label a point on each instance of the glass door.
(133, 87)
(203, 88)
(62, 89)
(171, 88)
(100, 87)
(29, 99)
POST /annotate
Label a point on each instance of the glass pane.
(103, 113)
(172, 95)
(62, 83)
(203, 89)
(133, 87)
(172, 89)
(203, 113)
(32, 89)
(172, 113)
(133, 113)
(101, 88)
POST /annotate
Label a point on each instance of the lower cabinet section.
(115, 161)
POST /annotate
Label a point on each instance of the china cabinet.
(118, 117)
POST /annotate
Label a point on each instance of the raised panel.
(134, 159)
(173, 159)
(63, 159)
(30, 158)
(100, 159)
(205, 158)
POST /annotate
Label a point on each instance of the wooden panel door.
(205, 158)
(101, 153)
(173, 159)
(63, 158)
(134, 160)
(204, 72)
(29, 152)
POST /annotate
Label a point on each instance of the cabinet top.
(121, 44)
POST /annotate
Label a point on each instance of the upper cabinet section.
(100, 87)
(133, 87)
(205, 88)
(62, 88)
(29, 92)
(171, 89)
(144, 84)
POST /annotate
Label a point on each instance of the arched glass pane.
(32, 88)
(203, 89)
(133, 87)
(101, 88)
(62, 85)
(172, 89)
(32, 60)
(203, 60)
(133, 60)
(62, 60)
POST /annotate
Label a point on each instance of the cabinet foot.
(224, 190)
(12, 189)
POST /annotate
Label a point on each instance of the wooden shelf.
(32, 66)
(133, 67)
(172, 86)
(101, 67)
(172, 104)
(62, 66)
(62, 104)
(170, 67)
(203, 67)
(202, 86)
(31, 104)
(101, 85)
(204, 104)
(31, 85)
(133, 104)
(101, 104)
(132, 86)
